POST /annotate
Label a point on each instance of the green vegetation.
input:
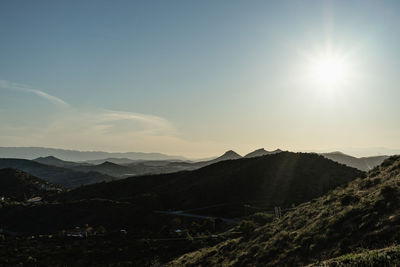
(380, 257)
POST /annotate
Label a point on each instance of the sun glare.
(328, 71)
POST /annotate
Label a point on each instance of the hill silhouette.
(355, 225)
(107, 168)
(53, 161)
(20, 186)
(57, 175)
(228, 155)
(147, 167)
(75, 155)
(119, 161)
(364, 163)
(279, 179)
(261, 152)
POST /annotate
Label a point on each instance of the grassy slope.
(348, 225)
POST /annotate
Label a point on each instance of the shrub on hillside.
(247, 227)
(368, 183)
(349, 200)
(390, 193)
(389, 161)
(262, 218)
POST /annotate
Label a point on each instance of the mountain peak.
(108, 164)
(336, 152)
(261, 152)
(52, 160)
(230, 154)
(48, 158)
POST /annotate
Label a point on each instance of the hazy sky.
(196, 78)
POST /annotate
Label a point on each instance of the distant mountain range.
(364, 163)
(152, 163)
(106, 169)
(120, 161)
(74, 155)
(57, 175)
(53, 161)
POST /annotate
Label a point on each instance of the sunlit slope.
(355, 224)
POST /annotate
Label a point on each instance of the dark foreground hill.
(20, 186)
(280, 179)
(57, 175)
(354, 225)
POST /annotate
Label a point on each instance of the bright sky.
(196, 78)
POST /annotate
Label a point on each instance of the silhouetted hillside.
(228, 155)
(353, 225)
(108, 168)
(261, 152)
(20, 186)
(53, 161)
(74, 155)
(279, 179)
(364, 164)
(145, 167)
(57, 175)
(119, 161)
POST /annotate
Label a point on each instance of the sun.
(328, 70)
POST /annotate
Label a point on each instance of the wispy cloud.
(91, 128)
(4, 84)
(113, 115)
(96, 129)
